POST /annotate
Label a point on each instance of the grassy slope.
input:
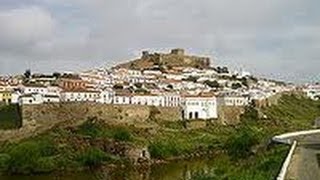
(236, 161)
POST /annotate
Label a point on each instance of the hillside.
(176, 58)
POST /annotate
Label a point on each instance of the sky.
(278, 39)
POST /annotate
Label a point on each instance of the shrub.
(162, 149)
(25, 157)
(122, 134)
(158, 150)
(45, 164)
(202, 175)
(240, 144)
(89, 128)
(250, 115)
(4, 160)
(92, 157)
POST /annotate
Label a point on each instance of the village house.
(312, 91)
(51, 98)
(34, 88)
(122, 96)
(43, 79)
(199, 107)
(148, 100)
(171, 100)
(80, 96)
(6, 97)
(31, 98)
(72, 83)
(106, 96)
(233, 99)
(54, 90)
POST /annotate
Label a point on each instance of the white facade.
(171, 100)
(313, 92)
(15, 97)
(30, 99)
(80, 96)
(121, 99)
(234, 100)
(34, 89)
(51, 99)
(106, 96)
(147, 100)
(199, 108)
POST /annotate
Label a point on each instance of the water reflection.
(178, 170)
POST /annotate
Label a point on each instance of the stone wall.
(113, 114)
(228, 115)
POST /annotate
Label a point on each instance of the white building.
(15, 97)
(234, 100)
(51, 98)
(122, 99)
(313, 92)
(148, 100)
(171, 100)
(106, 96)
(29, 89)
(80, 96)
(32, 98)
(199, 107)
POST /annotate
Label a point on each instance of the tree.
(138, 85)
(240, 144)
(212, 84)
(236, 86)
(222, 69)
(192, 79)
(225, 70)
(27, 74)
(170, 86)
(118, 86)
(56, 75)
(245, 82)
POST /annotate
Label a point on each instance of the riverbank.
(238, 151)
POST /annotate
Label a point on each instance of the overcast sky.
(271, 38)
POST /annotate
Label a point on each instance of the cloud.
(272, 38)
(25, 27)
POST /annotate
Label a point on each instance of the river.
(170, 171)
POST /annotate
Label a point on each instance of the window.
(190, 115)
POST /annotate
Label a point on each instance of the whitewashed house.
(80, 96)
(15, 97)
(199, 107)
(106, 96)
(53, 90)
(148, 100)
(32, 98)
(122, 99)
(313, 92)
(233, 100)
(171, 100)
(39, 89)
(51, 98)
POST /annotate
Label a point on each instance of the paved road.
(304, 164)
